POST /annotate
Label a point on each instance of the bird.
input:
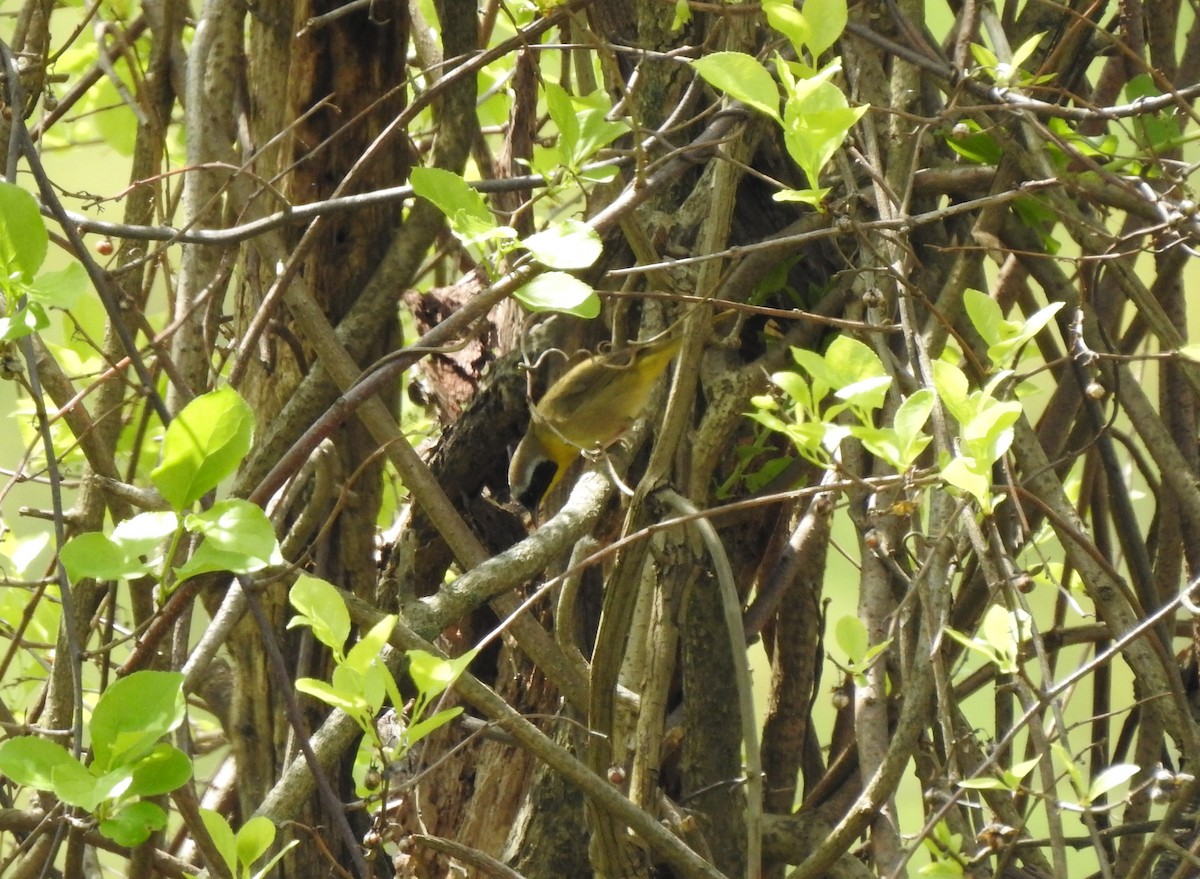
(586, 410)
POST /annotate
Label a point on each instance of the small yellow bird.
(586, 410)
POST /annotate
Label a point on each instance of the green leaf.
(1002, 352)
(984, 56)
(567, 244)
(134, 824)
(953, 390)
(1025, 51)
(23, 236)
(204, 444)
(972, 144)
(141, 533)
(849, 363)
(323, 610)
(370, 645)
(743, 78)
(596, 130)
(95, 555)
(963, 473)
(558, 291)
(22, 322)
(254, 838)
(868, 393)
(1110, 778)
(989, 434)
(238, 537)
(422, 728)
(1022, 768)
(222, 836)
(909, 422)
(816, 119)
(432, 674)
(999, 632)
(164, 769)
(348, 701)
(812, 197)
(562, 114)
(466, 211)
(1155, 132)
(60, 289)
(986, 317)
(32, 761)
(784, 17)
(975, 645)
(851, 635)
(941, 870)
(983, 783)
(827, 20)
(75, 786)
(683, 15)
(132, 714)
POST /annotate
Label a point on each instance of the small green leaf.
(222, 836)
(1110, 778)
(254, 838)
(867, 393)
(683, 15)
(970, 142)
(986, 317)
(953, 390)
(204, 444)
(941, 870)
(909, 421)
(562, 114)
(24, 321)
(133, 824)
(323, 610)
(164, 769)
(989, 434)
(350, 702)
(567, 244)
(94, 555)
(371, 644)
(816, 120)
(432, 674)
(23, 236)
(143, 532)
(850, 361)
(827, 19)
(984, 56)
(422, 728)
(1019, 770)
(558, 291)
(32, 761)
(132, 714)
(1025, 51)
(784, 17)
(812, 197)
(466, 212)
(743, 78)
(60, 289)
(963, 474)
(973, 644)
(983, 783)
(238, 537)
(998, 632)
(851, 635)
